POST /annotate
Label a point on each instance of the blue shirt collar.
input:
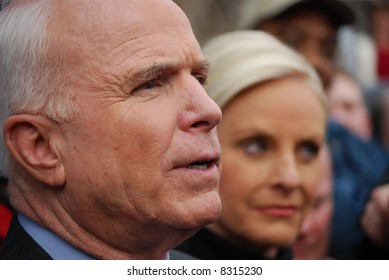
(54, 245)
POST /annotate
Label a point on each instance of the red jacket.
(5, 220)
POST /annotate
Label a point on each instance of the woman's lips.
(278, 211)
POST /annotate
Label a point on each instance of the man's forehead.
(106, 16)
(99, 21)
(114, 38)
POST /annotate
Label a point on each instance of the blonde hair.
(241, 59)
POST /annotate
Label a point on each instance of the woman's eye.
(308, 150)
(254, 147)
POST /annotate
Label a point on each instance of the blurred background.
(211, 17)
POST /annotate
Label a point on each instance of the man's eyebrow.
(155, 70)
(151, 72)
(203, 65)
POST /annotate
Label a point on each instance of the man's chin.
(203, 213)
(212, 208)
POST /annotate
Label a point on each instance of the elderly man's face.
(143, 151)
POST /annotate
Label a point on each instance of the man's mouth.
(201, 165)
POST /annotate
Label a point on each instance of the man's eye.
(201, 78)
(308, 150)
(149, 85)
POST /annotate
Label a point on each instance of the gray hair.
(241, 59)
(30, 80)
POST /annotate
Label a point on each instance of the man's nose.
(202, 113)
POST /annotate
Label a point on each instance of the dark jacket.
(18, 245)
(208, 246)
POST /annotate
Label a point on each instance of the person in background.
(310, 27)
(347, 105)
(314, 236)
(112, 143)
(273, 128)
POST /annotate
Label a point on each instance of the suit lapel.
(18, 245)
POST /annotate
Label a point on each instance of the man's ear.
(31, 141)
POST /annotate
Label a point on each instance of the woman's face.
(270, 135)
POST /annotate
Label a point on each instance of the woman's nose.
(288, 176)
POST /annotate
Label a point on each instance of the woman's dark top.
(208, 246)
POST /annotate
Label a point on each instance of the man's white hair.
(30, 80)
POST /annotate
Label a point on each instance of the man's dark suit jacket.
(19, 245)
